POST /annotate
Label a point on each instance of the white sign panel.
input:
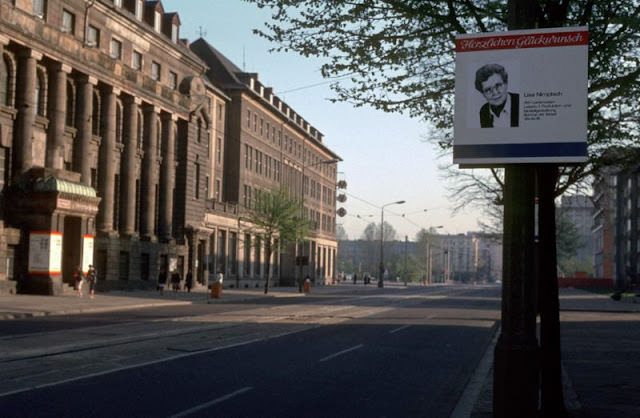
(45, 252)
(521, 97)
(87, 251)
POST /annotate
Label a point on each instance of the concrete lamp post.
(381, 278)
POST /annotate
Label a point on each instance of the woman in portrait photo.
(502, 107)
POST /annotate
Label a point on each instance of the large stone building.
(269, 145)
(119, 147)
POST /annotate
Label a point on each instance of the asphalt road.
(394, 353)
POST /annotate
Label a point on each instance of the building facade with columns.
(121, 147)
(103, 117)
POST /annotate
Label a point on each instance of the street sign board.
(521, 97)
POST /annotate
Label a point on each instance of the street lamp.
(381, 278)
(429, 267)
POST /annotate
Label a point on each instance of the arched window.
(41, 92)
(139, 130)
(95, 120)
(175, 142)
(118, 122)
(5, 86)
(198, 130)
(158, 137)
(71, 104)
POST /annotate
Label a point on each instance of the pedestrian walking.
(355, 278)
(78, 276)
(162, 280)
(92, 278)
(188, 282)
(175, 281)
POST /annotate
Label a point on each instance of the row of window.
(318, 220)
(116, 50)
(262, 163)
(271, 168)
(264, 129)
(137, 7)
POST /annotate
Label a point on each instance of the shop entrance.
(71, 247)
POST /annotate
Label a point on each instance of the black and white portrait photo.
(501, 109)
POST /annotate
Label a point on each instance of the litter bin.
(306, 287)
(216, 290)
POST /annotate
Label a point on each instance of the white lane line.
(211, 403)
(148, 363)
(393, 331)
(472, 392)
(339, 353)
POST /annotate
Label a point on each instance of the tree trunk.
(552, 400)
(268, 250)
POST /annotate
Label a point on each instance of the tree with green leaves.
(275, 220)
(399, 56)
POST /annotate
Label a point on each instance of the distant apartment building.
(442, 258)
(121, 147)
(616, 233)
(578, 209)
(470, 257)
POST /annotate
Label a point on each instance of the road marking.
(393, 331)
(472, 392)
(211, 403)
(339, 353)
(147, 363)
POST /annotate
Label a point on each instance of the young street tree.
(275, 219)
(398, 56)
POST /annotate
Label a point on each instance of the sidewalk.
(600, 360)
(25, 306)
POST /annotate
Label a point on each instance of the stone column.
(128, 173)
(106, 163)
(57, 116)
(149, 179)
(84, 116)
(167, 176)
(26, 115)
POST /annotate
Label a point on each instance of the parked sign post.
(521, 104)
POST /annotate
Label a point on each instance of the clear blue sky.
(385, 158)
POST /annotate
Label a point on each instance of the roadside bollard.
(216, 290)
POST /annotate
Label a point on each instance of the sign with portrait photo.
(521, 97)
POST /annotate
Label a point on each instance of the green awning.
(53, 184)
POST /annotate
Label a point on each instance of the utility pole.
(406, 239)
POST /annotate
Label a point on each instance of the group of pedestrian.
(175, 281)
(91, 278)
(366, 279)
